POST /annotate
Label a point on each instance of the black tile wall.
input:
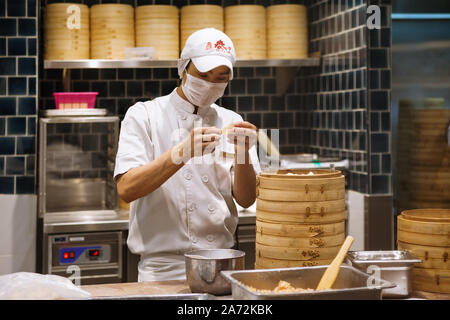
(340, 109)
(18, 99)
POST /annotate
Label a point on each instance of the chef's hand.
(200, 141)
(242, 135)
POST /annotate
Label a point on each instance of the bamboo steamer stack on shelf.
(423, 155)
(246, 27)
(199, 16)
(426, 234)
(300, 218)
(66, 31)
(112, 30)
(157, 26)
(287, 32)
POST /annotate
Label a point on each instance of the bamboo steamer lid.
(299, 230)
(300, 218)
(428, 215)
(423, 226)
(199, 16)
(60, 42)
(292, 253)
(112, 30)
(299, 242)
(157, 26)
(431, 280)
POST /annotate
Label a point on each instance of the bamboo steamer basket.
(295, 253)
(432, 257)
(157, 26)
(246, 27)
(426, 234)
(301, 207)
(199, 16)
(266, 263)
(294, 242)
(112, 30)
(60, 42)
(299, 229)
(300, 217)
(287, 31)
(269, 263)
(431, 280)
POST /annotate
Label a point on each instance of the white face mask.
(202, 93)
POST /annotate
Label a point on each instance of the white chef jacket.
(193, 209)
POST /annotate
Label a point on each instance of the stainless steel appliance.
(81, 232)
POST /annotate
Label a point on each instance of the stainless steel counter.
(86, 221)
(107, 220)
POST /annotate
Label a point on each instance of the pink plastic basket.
(75, 100)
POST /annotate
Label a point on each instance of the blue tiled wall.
(18, 98)
(341, 108)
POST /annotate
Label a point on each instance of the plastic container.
(75, 100)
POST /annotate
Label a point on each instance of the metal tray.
(351, 284)
(394, 266)
(179, 296)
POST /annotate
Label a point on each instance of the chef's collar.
(186, 106)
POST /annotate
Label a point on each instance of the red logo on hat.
(219, 46)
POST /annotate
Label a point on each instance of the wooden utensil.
(332, 271)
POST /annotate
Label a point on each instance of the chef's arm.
(244, 187)
(140, 181)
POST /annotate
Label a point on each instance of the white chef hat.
(207, 48)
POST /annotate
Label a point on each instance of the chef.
(181, 161)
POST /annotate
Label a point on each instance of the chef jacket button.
(210, 237)
(188, 175)
(194, 239)
(211, 208)
(205, 178)
(182, 116)
(191, 207)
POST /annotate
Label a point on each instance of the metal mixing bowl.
(203, 269)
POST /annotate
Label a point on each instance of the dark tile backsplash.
(18, 98)
(340, 108)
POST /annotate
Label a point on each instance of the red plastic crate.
(75, 100)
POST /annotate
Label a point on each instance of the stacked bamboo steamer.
(300, 218)
(199, 16)
(423, 155)
(157, 26)
(60, 41)
(112, 30)
(246, 27)
(426, 234)
(430, 158)
(287, 32)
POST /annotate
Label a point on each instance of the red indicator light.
(66, 255)
(71, 254)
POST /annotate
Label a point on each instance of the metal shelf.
(119, 64)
